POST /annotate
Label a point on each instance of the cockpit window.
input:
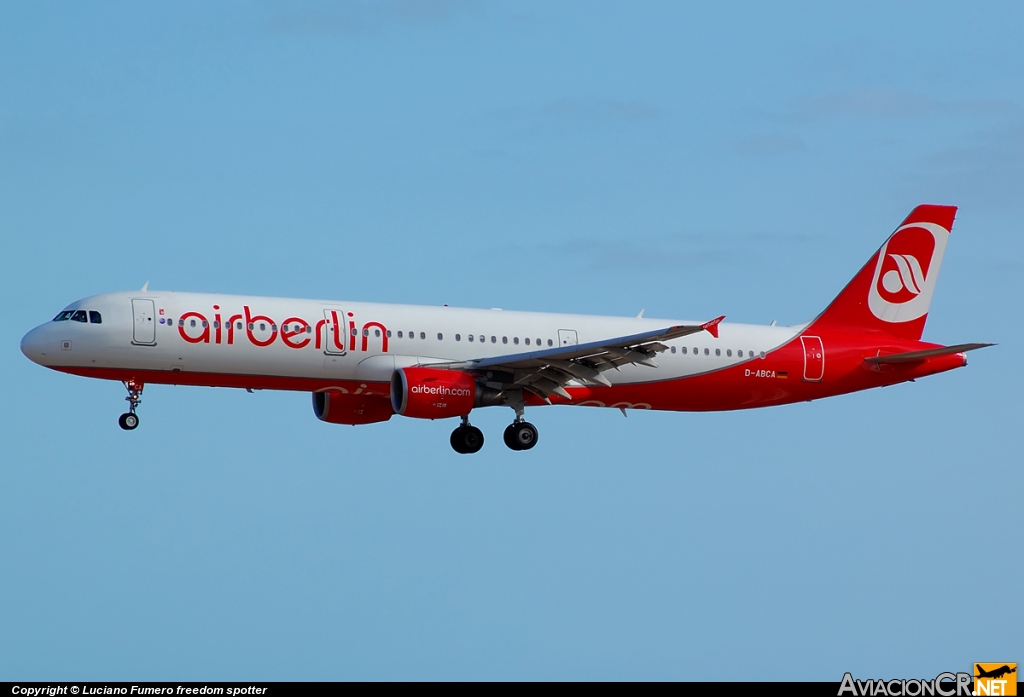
(95, 317)
(63, 316)
(79, 316)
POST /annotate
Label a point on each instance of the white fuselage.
(291, 338)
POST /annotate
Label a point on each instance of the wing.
(547, 372)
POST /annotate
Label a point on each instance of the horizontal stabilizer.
(912, 356)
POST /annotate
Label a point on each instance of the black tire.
(467, 440)
(520, 435)
(456, 441)
(472, 439)
(129, 421)
(525, 435)
(509, 436)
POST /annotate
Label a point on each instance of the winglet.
(712, 326)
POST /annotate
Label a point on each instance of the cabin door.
(335, 331)
(144, 312)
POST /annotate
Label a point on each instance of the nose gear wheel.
(130, 420)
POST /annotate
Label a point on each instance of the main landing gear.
(467, 439)
(520, 435)
(130, 420)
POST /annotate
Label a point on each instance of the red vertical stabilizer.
(891, 294)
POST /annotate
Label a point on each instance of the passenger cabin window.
(550, 342)
(63, 316)
(79, 316)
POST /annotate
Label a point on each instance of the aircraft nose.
(33, 345)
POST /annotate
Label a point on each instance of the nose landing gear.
(130, 420)
(467, 439)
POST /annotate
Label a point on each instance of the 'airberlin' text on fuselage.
(294, 332)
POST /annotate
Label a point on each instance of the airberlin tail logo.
(906, 272)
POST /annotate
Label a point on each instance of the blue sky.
(585, 157)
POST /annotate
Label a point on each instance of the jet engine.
(353, 410)
(432, 393)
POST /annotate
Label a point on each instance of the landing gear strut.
(467, 439)
(520, 434)
(130, 420)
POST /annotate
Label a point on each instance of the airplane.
(364, 362)
(995, 673)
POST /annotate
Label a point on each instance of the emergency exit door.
(814, 358)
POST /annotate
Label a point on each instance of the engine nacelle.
(431, 393)
(350, 409)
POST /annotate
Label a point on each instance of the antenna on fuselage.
(145, 286)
